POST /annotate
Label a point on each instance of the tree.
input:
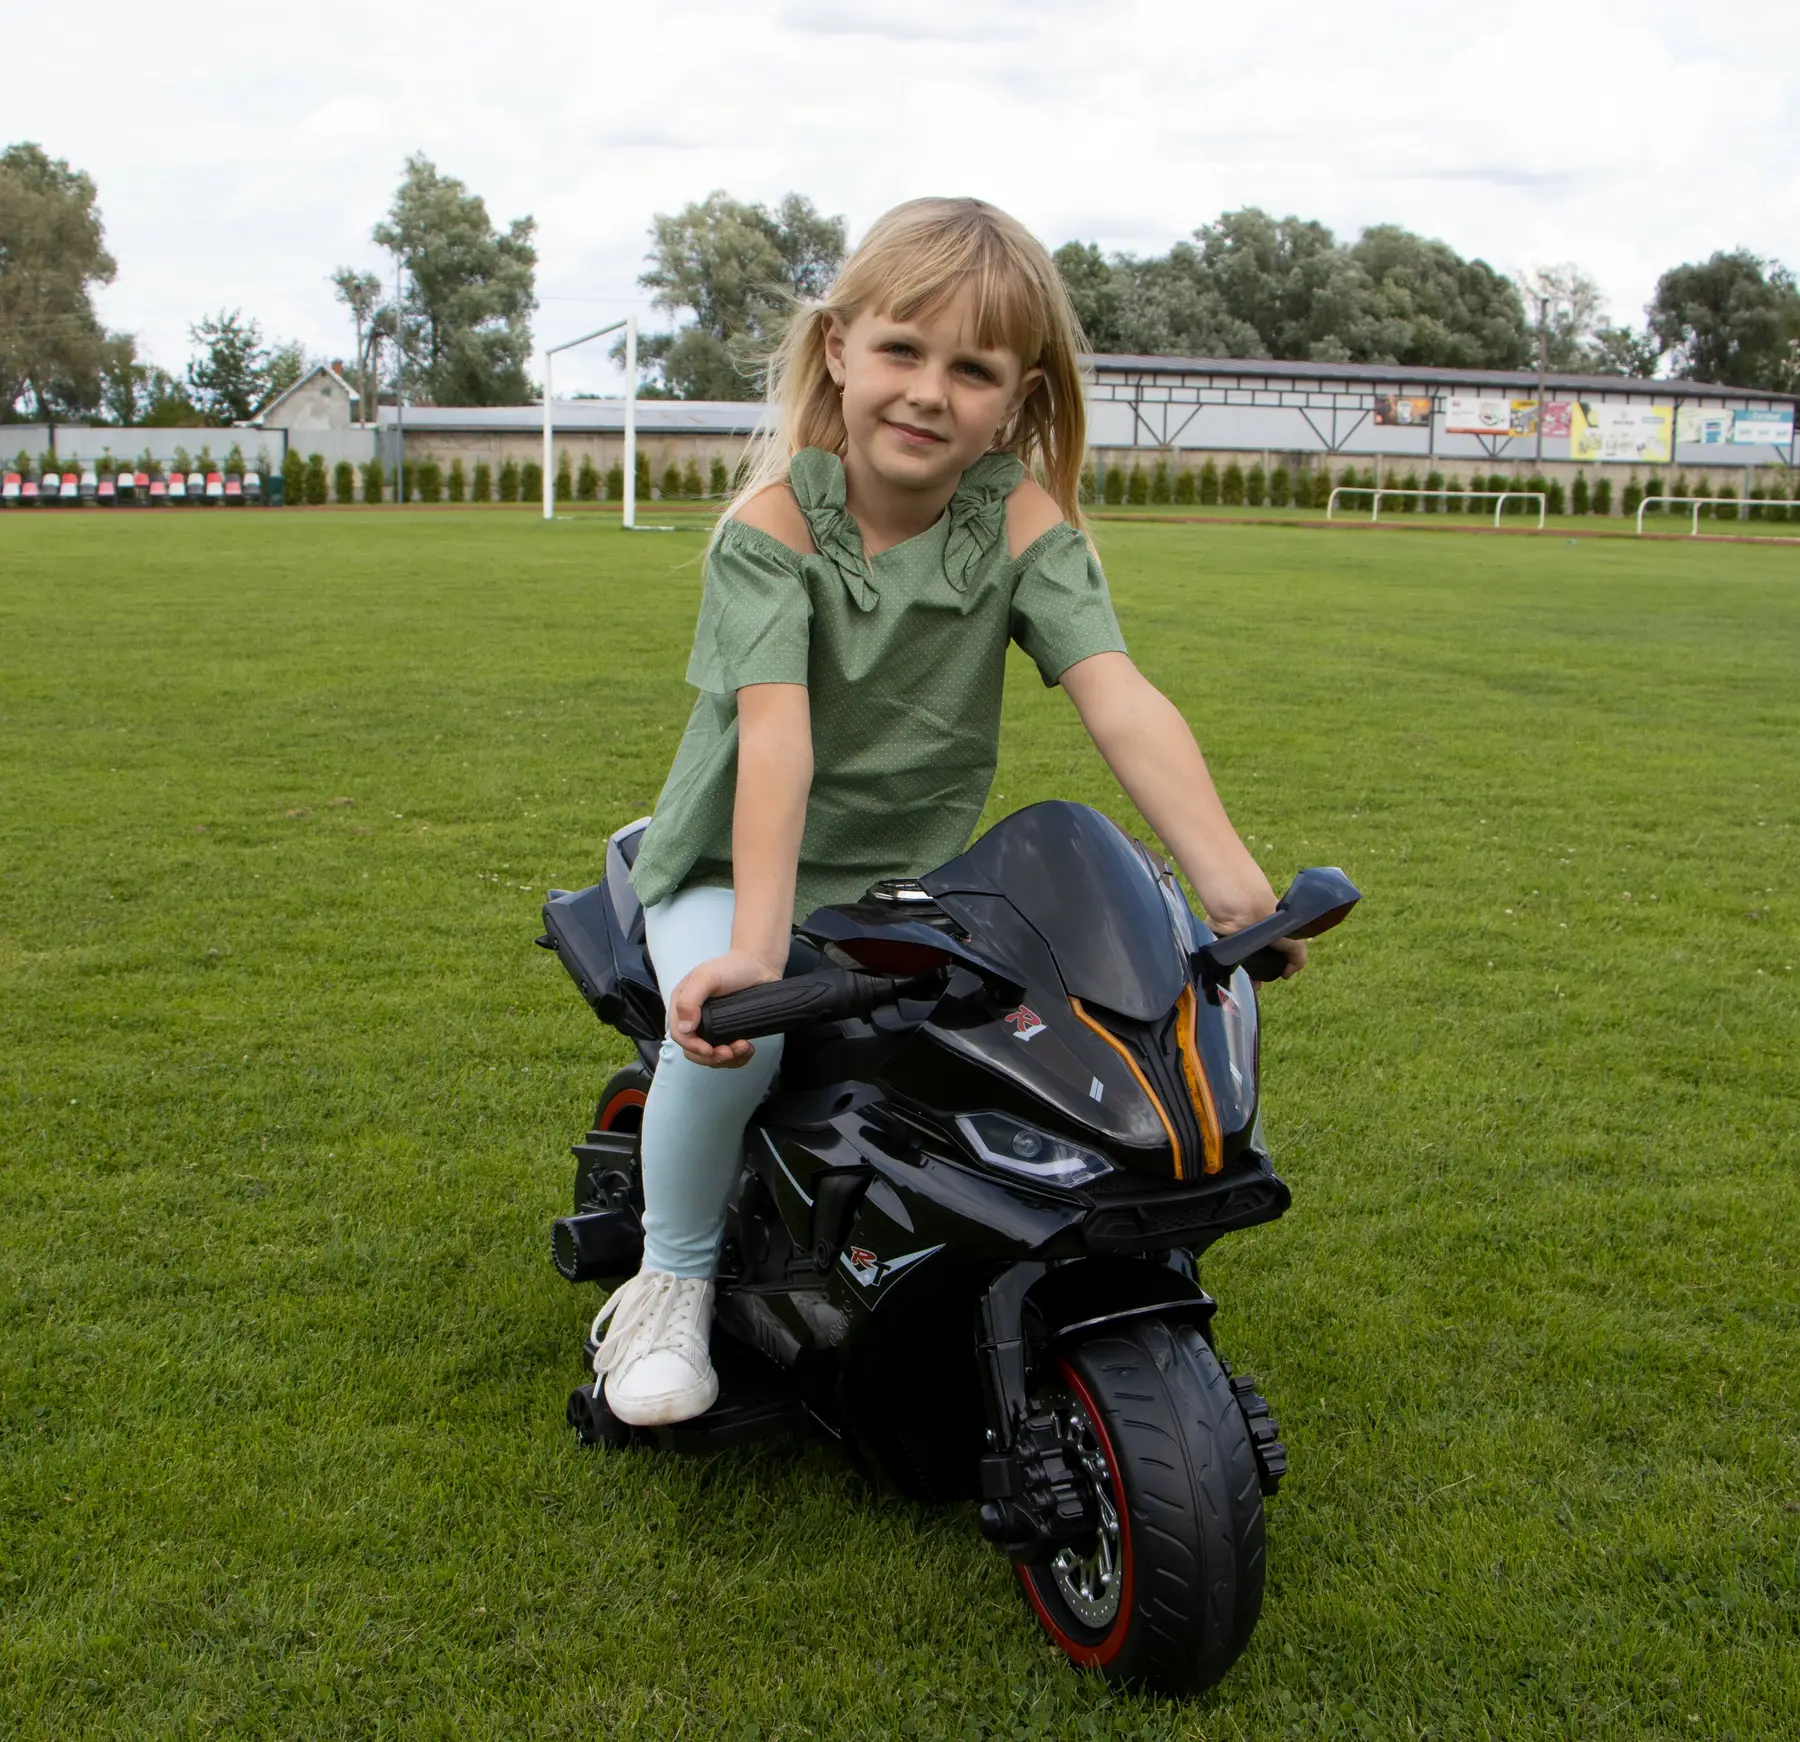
(1286, 279)
(52, 255)
(1429, 306)
(1096, 290)
(124, 381)
(1252, 285)
(360, 293)
(230, 378)
(1620, 351)
(737, 269)
(286, 364)
(1567, 314)
(465, 323)
(1734, 320)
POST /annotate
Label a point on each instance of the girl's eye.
(976, 371)
(899, 348)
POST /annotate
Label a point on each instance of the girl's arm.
(774, 776)
(1149, 748)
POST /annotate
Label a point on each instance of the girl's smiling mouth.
(911, 433)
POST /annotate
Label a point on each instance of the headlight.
(1030, 1153)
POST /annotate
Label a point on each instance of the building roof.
(655, 417)
(288, 392)
(1520, 381)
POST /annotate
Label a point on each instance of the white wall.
(128, 444)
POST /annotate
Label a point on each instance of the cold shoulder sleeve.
(755, 614)
(1061, 610)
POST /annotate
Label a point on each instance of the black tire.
(621, 1103)
(593, 1421)
(1186, 1553)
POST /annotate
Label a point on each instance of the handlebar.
(1316, 900)
(781, 1006)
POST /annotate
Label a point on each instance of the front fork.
(1034, 1498)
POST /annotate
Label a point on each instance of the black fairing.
(1089, 891)
(598, 935)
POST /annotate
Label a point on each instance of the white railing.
(1499, 498)
(1698, 502)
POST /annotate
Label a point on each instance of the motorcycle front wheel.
(1166, 1593)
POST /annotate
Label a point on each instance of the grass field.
(287, 1093)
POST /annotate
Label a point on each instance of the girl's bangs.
(913, 280)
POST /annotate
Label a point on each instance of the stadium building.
(1400, 424)
(1301, 415)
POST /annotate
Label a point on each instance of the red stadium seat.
(234, 491)
(215, 489)
(70, 492)
(158, 491)
(106, 491)
(9, 489)
(177, 487)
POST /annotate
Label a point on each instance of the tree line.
(1249, 285)
(728, 271)
(459, 333)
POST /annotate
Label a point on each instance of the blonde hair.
(912, 261)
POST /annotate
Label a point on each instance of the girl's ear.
(834, 348)
(1028, 385)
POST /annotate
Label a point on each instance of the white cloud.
(238, 167)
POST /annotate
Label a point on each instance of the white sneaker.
(655, 1361)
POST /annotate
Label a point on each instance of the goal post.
(629, 324)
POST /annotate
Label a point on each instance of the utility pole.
(399, 391)
(1543, 302)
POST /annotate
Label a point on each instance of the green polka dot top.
(903, 656)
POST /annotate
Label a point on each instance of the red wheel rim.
(1092, 1656)
(624, 1101)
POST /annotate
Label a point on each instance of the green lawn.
(287, 1092)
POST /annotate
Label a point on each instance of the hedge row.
(1238, 486)
(306, 481)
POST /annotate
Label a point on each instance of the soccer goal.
(629, 324)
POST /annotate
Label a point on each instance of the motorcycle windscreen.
(1089, 892)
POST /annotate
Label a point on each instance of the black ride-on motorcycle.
(1019, 1097)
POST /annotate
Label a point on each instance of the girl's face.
(923, 401)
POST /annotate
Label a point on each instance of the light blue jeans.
(694, 1118)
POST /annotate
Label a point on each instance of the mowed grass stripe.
(287, 1095)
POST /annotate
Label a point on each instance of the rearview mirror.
(1316, 900)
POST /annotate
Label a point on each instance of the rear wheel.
(1167, 1591)
(621, 1103)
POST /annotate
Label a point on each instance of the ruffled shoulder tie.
(817, 480)
(978, 514)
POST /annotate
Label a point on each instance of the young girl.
(914, 511)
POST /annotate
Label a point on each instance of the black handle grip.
(1249, 948)
(782, 1006)
(1267, 964)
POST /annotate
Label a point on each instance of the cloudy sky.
(242, 153)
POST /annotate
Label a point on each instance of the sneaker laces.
(654, 1310)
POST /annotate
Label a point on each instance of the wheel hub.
(1087, 1575)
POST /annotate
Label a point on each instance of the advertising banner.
(1774, 427)
(1695, 426)
(1524, 417)
(1474, 416)
(1636, 433)
(1402, 409)
(1556, 418)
